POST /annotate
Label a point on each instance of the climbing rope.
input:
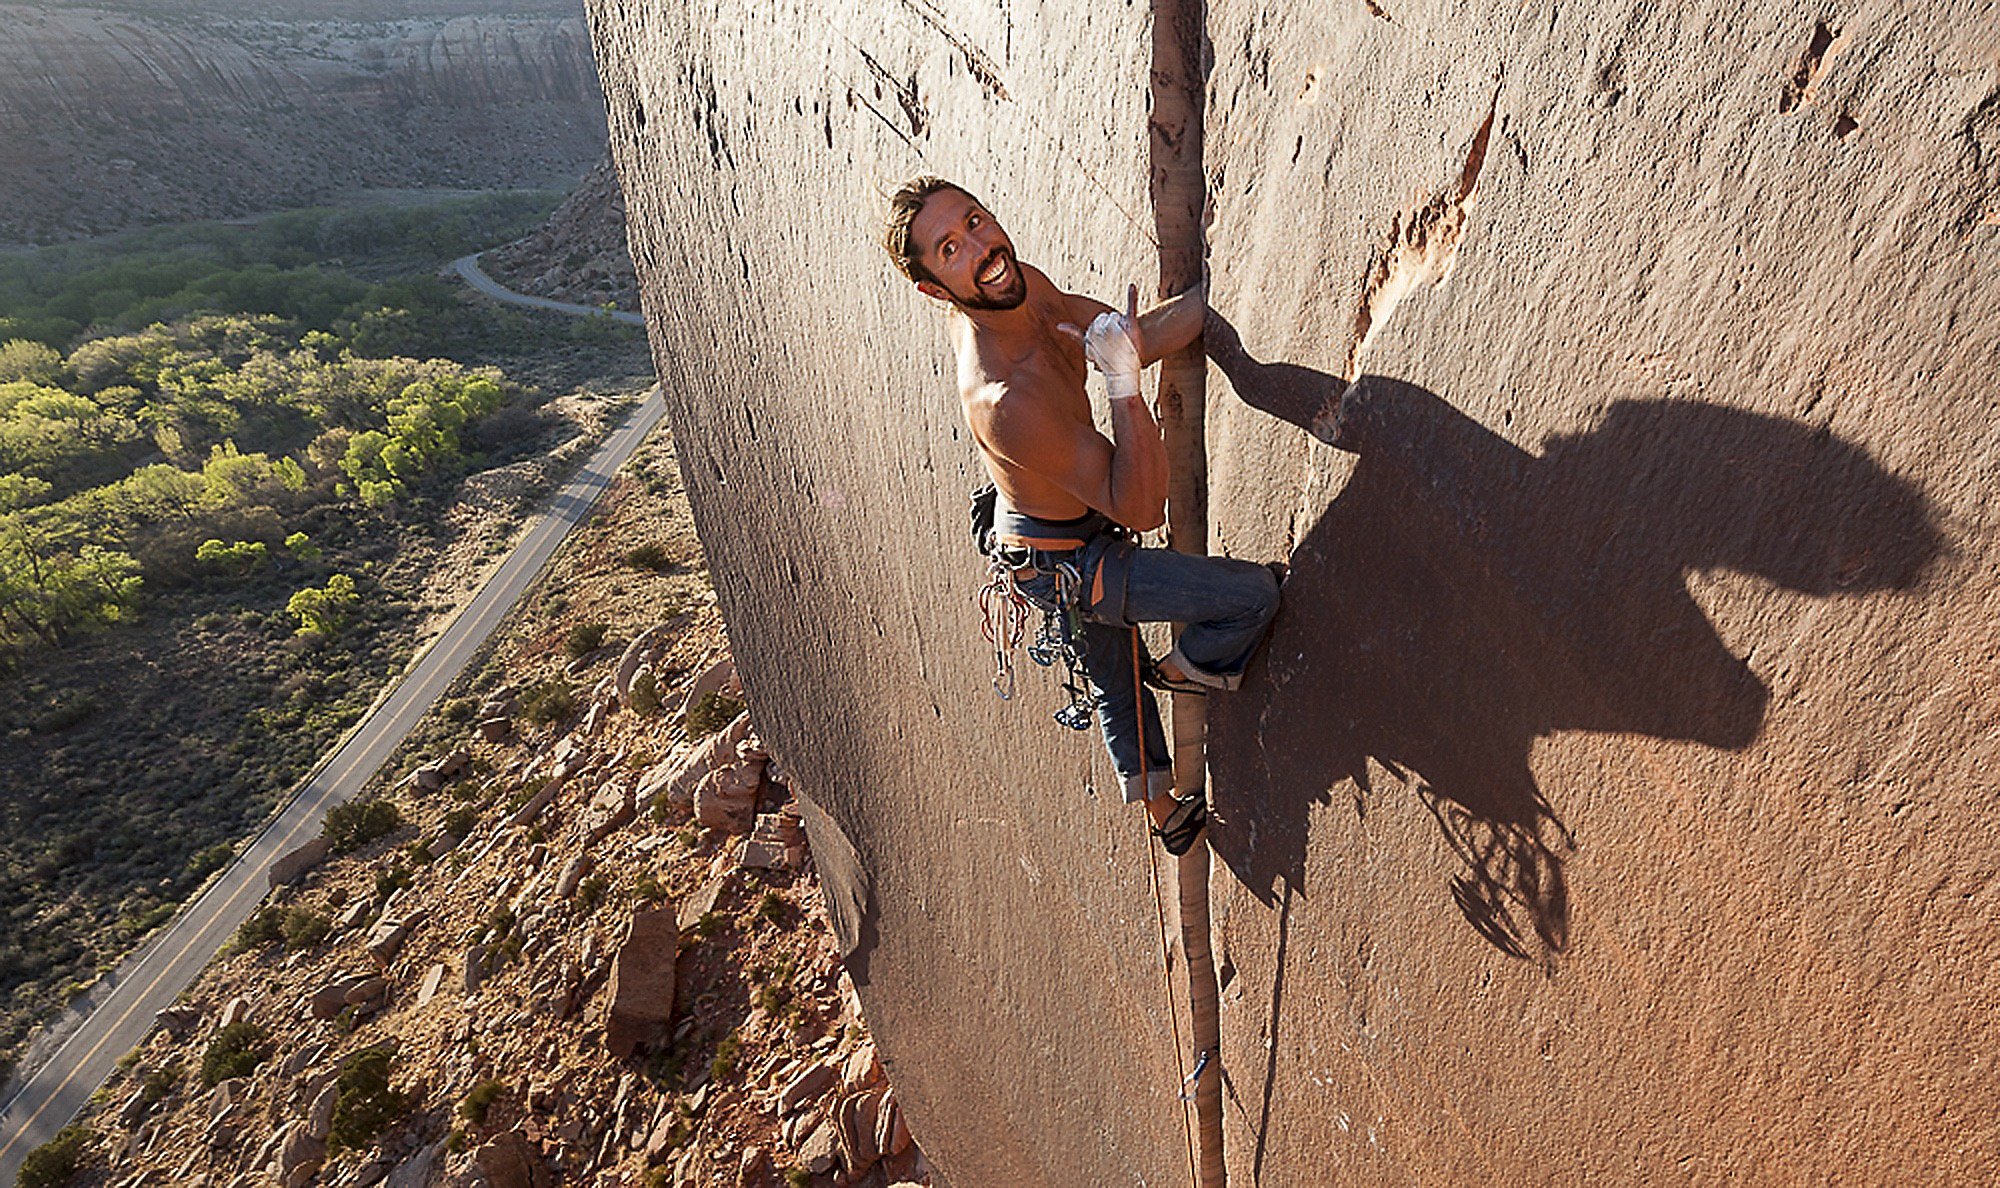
(1160, 917)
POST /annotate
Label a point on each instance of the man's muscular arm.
(1172, 325)
(1126, 480)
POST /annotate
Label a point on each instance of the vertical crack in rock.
(1422, 246)
(1825, 42)
(1376, 10)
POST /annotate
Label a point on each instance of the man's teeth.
(994, 272)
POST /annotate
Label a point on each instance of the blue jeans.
(1226, 605)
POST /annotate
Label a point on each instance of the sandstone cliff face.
(1611, 802)
(114, 118)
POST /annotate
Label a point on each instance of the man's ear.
(933, 290)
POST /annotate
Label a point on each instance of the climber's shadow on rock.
(1461, 597)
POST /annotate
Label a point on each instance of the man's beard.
(1010, 297)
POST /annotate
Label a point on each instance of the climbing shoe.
(1184, 825)
(1150, 673)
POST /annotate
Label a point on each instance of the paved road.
(467, 268)
(150, 980)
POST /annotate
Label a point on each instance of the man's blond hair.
(904, 204)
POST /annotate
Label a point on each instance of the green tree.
(21, 359)
(324, 610)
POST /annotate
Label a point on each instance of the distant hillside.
(580, 254)
(153, 112)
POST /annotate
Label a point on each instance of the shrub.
(589, 894)
(712, 713)
(645, 695)
(583, 639)
(157, 1084)
(208, 861)
(550, 701)
(726, 1055)
(460, 821)
(364, 1104)
(652, 557)
(236, 1051)
(55, 1163)
(484, 1094)
(303, 928)
(265, 925)
(354, 824)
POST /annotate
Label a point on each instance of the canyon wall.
(115, 118)
(1612, 802)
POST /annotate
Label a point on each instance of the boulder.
(291, 866)
(387, 941)
(641, 992)
(573, 874)
(329, 1000)
(807, 1087)
(319, 1115)
(510, 1160)
(491, 730)
(300, 1155)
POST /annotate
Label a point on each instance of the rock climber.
(1070, 502)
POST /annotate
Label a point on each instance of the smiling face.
(968, 258)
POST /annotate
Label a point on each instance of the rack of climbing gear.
(1003, 618)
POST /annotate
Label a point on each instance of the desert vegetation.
(230, 460)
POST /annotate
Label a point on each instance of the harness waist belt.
(1023, 531)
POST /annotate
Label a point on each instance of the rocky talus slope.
(579, 254)
(1613, 802)
(592, 952)
(114, 118)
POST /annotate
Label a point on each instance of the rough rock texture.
(113, 118)
(1609, 804)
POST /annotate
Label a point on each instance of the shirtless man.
(1069, 498)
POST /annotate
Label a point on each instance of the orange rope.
(1160, 908)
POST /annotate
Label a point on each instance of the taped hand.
(1112, 346)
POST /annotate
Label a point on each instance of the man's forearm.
(1138, 466)
(1174, 324)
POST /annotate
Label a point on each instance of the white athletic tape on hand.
(1112, 346)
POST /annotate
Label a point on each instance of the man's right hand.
(1112, 346)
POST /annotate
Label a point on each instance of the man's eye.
(974, 221)
(948, 250)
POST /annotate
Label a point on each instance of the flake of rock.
(892, 1134)
(354, 917)
(540, 800)
(366, 991)
(227, 1093)
(433, 979)
(387, 941)
(418, 1170)
(236, 1012)
(573, 874)
(862, 1068)
(642, 981)
(298, 1156)
(816, 1154)
(610, 811)
(307, 1056)
(752, 1167)
(762, 855)
(721, 802)
(703, 901)
(806, 1087)
(319, 1116)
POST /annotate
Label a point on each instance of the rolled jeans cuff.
(1155, 783)
(1226, 681)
